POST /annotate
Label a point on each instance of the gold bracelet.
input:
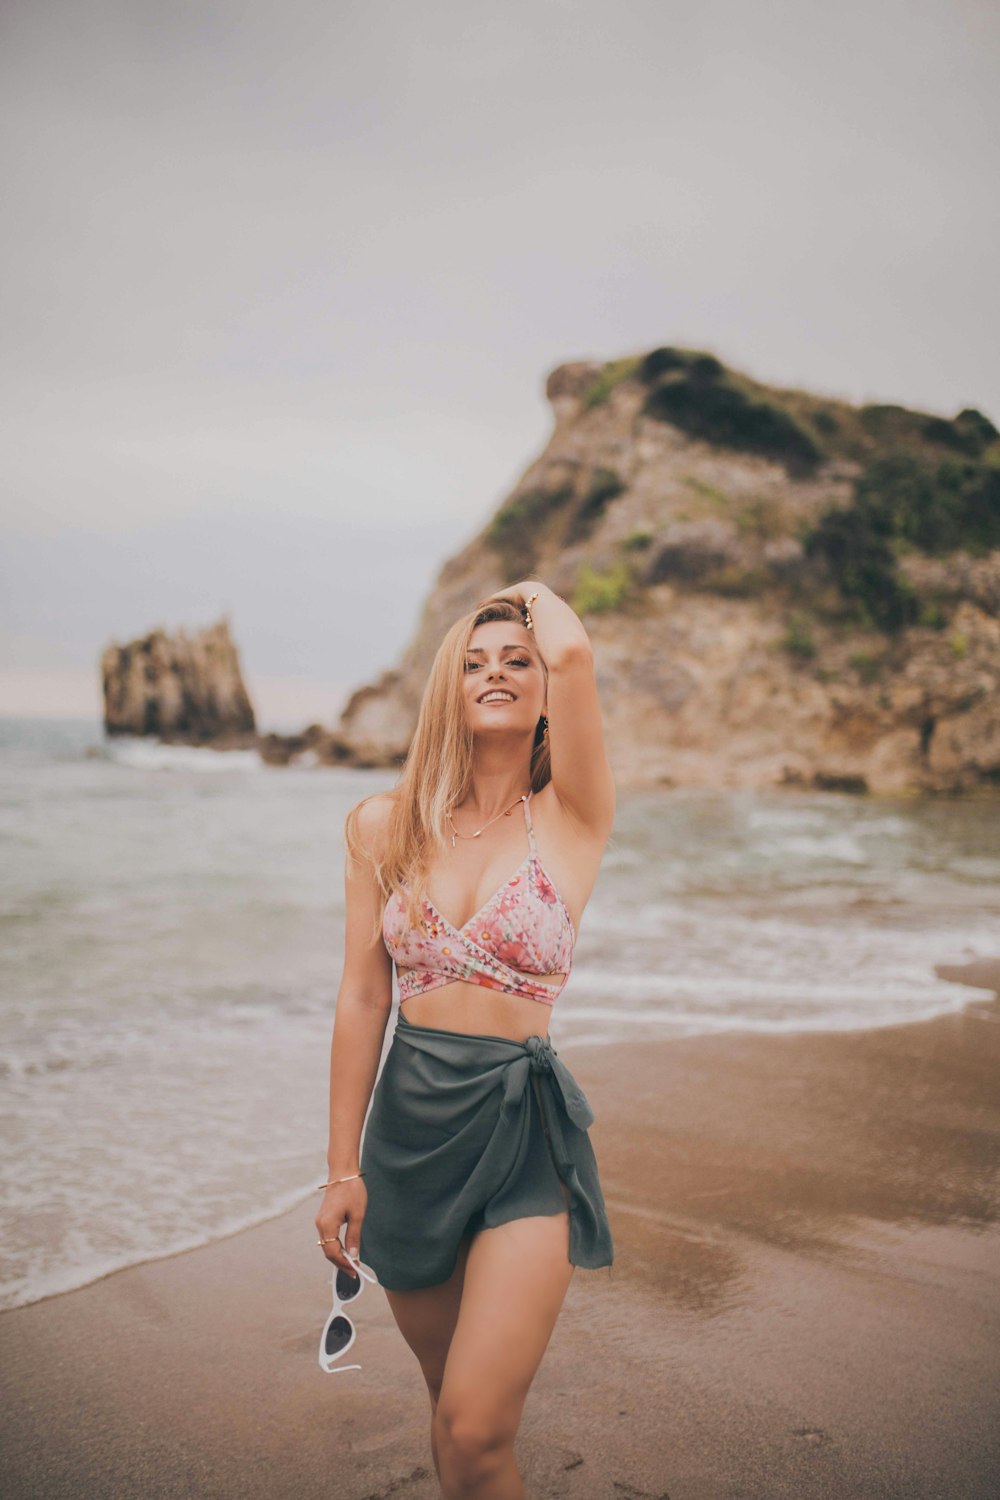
(339, 1179)
(529, 623)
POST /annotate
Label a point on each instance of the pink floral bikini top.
(524, 925)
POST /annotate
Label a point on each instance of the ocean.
(172, 924)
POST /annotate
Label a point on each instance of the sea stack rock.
(178, 687)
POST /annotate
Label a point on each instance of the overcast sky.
(282, 282)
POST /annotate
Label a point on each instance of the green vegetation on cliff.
(605, 486)
(696, 393)
(901, 502)
(520, 527)
(539, 517)
(595, 592)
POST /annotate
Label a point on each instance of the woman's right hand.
(345, 1200)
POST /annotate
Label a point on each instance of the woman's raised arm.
(581, 773)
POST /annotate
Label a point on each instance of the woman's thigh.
(516, 1278)
(427, 1317)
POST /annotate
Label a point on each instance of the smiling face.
(504, 681)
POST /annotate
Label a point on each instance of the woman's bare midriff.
(480, 1011)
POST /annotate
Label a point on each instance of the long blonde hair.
(437, 771)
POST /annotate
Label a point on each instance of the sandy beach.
(804, 1306)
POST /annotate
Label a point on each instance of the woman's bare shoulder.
(371, 818)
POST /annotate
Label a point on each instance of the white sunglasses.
(339, 1332)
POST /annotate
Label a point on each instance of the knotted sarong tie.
(543, 1058)
(563, 1105)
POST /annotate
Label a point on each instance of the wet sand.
(804, 1306)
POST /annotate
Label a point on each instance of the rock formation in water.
(180, 687)
(781, 589)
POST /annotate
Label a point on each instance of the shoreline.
(803, 1304)
(982, 974)
(321, 746)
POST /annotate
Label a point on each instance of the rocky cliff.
(179, 687)
(781, 589)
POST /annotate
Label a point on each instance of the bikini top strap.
(527, 818)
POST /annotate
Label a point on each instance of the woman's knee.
(471, 1438)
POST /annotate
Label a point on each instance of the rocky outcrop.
(184, 688)
(315, 746)
(677, 507)
(732, 706)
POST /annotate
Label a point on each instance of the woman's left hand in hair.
(558, 630)
(519, 592)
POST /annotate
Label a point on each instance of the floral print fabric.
(524, 925)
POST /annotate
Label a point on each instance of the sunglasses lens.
(338, 1336)
(348, 1284)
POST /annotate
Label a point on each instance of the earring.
(545, 725)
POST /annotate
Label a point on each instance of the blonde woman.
(476, 1192)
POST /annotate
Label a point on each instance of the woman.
(476, 1192)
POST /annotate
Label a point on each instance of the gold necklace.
(505, 814)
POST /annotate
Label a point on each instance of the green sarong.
(468, 1132)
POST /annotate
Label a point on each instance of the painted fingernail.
(354, 1251)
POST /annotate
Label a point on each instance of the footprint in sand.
(814, 1435)
(397, 1486)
